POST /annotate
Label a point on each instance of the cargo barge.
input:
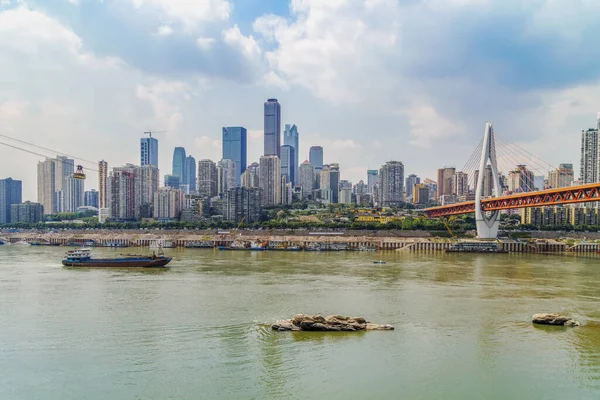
(83, 258)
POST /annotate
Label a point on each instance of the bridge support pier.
(487, 222)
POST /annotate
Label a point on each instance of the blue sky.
(369, 80)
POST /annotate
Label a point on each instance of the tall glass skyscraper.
(315, 156)
(288, 163)
(179, 169)
(10, 193)
(272, 128)
(291, 138)
(190, 172)
(235, 148)
(149, 151)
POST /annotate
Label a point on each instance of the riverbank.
(282, 240)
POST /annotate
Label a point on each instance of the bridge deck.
(542, 198)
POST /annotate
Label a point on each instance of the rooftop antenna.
(150, 132)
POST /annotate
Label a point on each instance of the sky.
(369, 80)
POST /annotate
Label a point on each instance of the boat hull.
(159, 262)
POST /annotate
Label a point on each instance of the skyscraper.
(102, 184)
(334, 182)
(561, 177)
(372, 180)
(74, 194)
(589, 156)
(122, 190)
(520, 180)
(10, 193)
(168, 203)
(179, 165)
(226, 176)
(235, 148)
(315, 157)
(207, 178)
(243, 204)
(27, 212)
(46, 179)
(272, 127)
(291, 137)
(288, 163)
(270, 179)
(149, 151)
(445, 177)
(460, 184)
(190, 173)
(90, 198)
(391, 183)
(306, 179)
(411, 181)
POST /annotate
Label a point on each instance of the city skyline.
(161, 71)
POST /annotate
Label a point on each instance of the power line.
(38, 154)
(45, 148)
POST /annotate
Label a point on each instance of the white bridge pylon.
(487, 223)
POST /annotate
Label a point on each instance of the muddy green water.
(199, 330)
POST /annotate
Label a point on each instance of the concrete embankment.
(332, 240)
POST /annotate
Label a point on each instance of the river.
(199, 330)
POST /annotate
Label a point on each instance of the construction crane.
(239, 225)
(446, 223)
(150, 132)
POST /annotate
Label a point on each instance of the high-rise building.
(272, 127)
(73, 194)
(168, 203)
(306, 179)
(149, 182)
(235, 148)
(334, 182)
(291, 137)
(90, 198)
(411, 181)
(207, 178)
(270, 179)
(250, 179)
(361, 191)
(65, 167)
(122, 194)
(372, 180)
(190, 173)
(288, 163)
(243, 204)
(460, 184)
(432, 186)
(102, 184)
(27, 212)
(226, 176)
(590, 165)
(520, 180)
(286, 190)
(10, 193)
(172, 181)
(324, 177)
(46, 180)
(315, 157)
(420, 193)
(179, 169)
(445, 177)
(149, 151)
(345, 193)
(391, 183)
(561, 177)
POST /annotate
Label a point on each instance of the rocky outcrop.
(553, 319)
(332, 323)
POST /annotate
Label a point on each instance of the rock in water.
(553, 319)
(332, 323)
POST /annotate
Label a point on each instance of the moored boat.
(83, 258)
(475, 247)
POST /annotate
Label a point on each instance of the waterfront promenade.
(345, 240)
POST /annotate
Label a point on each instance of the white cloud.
(189, 12)
(164, 30)
(246, 44)
(427, 126)
(11, 109)
(205, 43)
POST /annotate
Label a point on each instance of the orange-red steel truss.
(551, 197)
